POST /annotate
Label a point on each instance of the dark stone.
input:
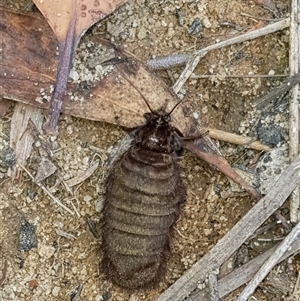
(270, 135)
(27, 237)
(195, 27)
(7, 157)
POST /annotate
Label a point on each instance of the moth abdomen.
(143, 197)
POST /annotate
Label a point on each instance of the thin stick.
(293, 107)
(75, 209)
(238, 76)
(270, 263)
(46, 191)
(236, 139)
(167, 62)
(176, 60)
(195, 58)
(236, 236)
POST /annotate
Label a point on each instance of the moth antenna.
(146, 103)
(178, 103)
(132, 84)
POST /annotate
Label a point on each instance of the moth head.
(158, 118)
(158, 135)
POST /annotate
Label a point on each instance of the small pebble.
(46, 251)
(87, 198)
(32, 284)
(30, 193)
(195, 115)
(7, 157)
(142, 33)
(270, 134)
(55, 291)
(164, 23)
(37, 144)
(271, 72)
(206, 23)
(85, 160)
(204, 110)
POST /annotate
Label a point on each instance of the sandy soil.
(67, 253)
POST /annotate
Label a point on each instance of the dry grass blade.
(82, 176)
(75, 295)
(47, 192)
(236, 236)
(265, 100)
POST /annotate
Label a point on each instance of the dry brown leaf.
(28, 55)
(59, 14)
(69, 20)
(46, 169)
(117, 98)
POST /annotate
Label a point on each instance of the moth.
(144, 194)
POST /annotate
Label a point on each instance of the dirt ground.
(67, 253)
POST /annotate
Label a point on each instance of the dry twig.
(195, 58)
(236, 139)
(245, 273)
(293, 108)
(236, 236)
(239, 75)
(270, 263)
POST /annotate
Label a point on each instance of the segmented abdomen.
(144, 192)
